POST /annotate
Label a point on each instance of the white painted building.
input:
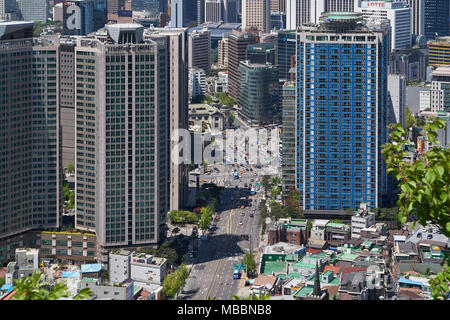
(147, 268)
(318, 229)
(361, 219)
(221, 84)
(397, 99)
(197, 82)
(440, 90)
(425, 100)
(399, 15)
(119, 266)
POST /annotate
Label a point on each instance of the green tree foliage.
(424, 186)
(182, 217)
(276, 181)
(174, 281)
(2, 281)
(191, 166)
(266, 183)
(33, 288)
(206, 218)
(70, 167)
(224, 99)
(231, 118)
(249, 261)
(275, 192)
(410, 120)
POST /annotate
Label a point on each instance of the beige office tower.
(223, 52)
(30, 174)
(122, 134)
(175, 44)
(278, 5)
(67, 99)
(256, 15)
(199, 48)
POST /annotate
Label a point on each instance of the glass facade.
(341, 114)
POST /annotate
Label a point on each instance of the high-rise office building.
(176, 13)
(396, 99)
(230, 10)
(418, 16)
(237, 49)
(222, 52)
(286, 46)
(436, 17)
(305, 11)
(33, 10)
(30, 179)
(258, 97)
(439, 50)
(288, 136)
(213, 10)
(261, 53)
(277, 20)
(440, 90)
(200, 11)
(100, 14)
(399, 15)
(122, 132)
(16, 135)
(84, 24)
(256, 15)
(67, 77)
(341, 85)
(7, 7)
(176, 43)
(46, 145)
(113, 6)
(199, 48)
(278, 5)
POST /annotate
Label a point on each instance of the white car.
(240, 222)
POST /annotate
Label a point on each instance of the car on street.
(240, 222)
(430, 236)
(242, 213)
(251, 215)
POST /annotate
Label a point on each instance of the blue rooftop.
(411, 282)
(66, 274)
(95, 267)
(7, 287)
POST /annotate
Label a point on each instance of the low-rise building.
(126, 291)
(204, 113)
(147, 268)
(119, 266)
(293, 231)
(265, 284)
(27, 261)
(337, 233)
(362, 219)
(353, 286)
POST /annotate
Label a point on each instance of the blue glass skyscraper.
(341, 90)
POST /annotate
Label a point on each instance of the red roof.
(313, 251)
(352, 269)
(334, 269)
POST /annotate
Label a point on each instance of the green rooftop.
(335, 225)
(301, 264)
(347, 256)
(335, 281)
(304, 291)
(274, 266)
(294, 275)
(291, 257)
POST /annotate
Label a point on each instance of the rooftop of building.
(347, 257)
(304, 291)
(93, 267)
(282, 248)
(202, 108)
(441, 71)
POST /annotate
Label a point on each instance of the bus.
(236, 274)
(236, 175)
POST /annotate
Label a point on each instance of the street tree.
(34, 288)
(249, 261)
(174, 281)
(425, 188)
